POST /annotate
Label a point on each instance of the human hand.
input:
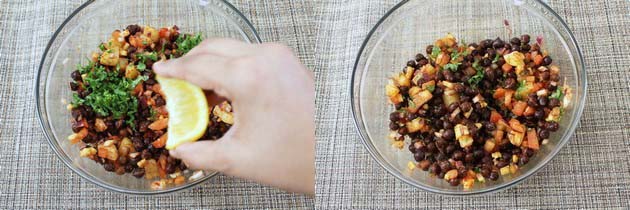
(272, 94)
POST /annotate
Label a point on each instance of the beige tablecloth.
(34, 178)
(592, 171)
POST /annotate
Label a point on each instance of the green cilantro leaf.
(102, 47)
(496, 58)
(435, 52)
(86, 68)
(557, 94)
(452, 66)
(110, 94)
(430, 88)
(141, 66)
(475, 79)
(522, 86)
(186, 43)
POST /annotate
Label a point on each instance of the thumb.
(207, 155)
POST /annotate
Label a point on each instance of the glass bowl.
(81, 33)
(412, 25)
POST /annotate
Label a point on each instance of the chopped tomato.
(164, 33)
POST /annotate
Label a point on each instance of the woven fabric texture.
(590, 172)
(36, 179)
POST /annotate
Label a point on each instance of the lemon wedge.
(187, 110)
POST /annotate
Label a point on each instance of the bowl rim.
(57, 150)
(499, 187)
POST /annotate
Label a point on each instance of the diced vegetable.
(414, 125)
(554, 115)
(515, 137)
(519, 108)
(532, 139)
(516, 125)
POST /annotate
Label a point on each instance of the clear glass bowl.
(412, 25)
(81, 33)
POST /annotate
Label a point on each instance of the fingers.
(208, 71)
(224, 47)
(207, 155)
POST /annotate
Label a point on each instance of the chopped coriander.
(477, 66)
(557, 94)
(141, 66)
(152, 56)
(435, 52)
(496, 58)
(475, 79)
(102, 47)
(153, 114)
(477, 170)
(86, 68)
(110, 94)
(109, 51)
(455, 55)
(452, 66)
(430, 88)
(163, 47)
(522, 86)
(411, 103)
(144, 42)
(186, 43)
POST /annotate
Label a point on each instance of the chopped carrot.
(532, 139)
(519, 108)
(498, 93)
(537, 86)
(495, 116)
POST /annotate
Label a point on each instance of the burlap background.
(591, 172)
(34, 178)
